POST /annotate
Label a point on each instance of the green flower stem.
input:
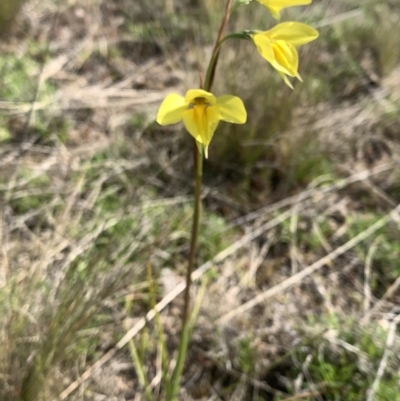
(215, 56)
(198, 162)
(173, 389)
(208, 83)
(184, 338)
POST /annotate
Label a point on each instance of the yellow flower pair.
(201, 111)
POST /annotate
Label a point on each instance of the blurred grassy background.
(91, 189)
(8, 12)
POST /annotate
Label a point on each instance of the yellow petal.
(282, 56)
(192, 94)
(284, 3)
(285, 78)
(294, 33)
(264, 47)
(171, 109)
(275, 12)
(201, 122)
(286, 57)
(275, 6)
(231, 109)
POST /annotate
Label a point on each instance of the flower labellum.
(275, 6)
(278, 46)
(201, 112)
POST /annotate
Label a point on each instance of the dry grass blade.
(390, 292)
(382, 366)
(340, 18)
(357, 177)
(367, 274)
(170, 297)
(295, 279)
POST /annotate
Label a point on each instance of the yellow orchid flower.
(278, 46)
(275, 6)
(201, 112)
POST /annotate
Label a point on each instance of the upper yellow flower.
(201, 112)
(275, 6)
(278, 46)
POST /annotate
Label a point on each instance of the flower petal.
(264, 47)
(275, 6)
(231, 109)
(286, 57)
(275, 12)
(192, 94)
(171, 109)
(281, 55)
(201, 122)
(284, 3)
(294, 33)
(286, 79)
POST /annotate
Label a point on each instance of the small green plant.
(342, 360)
(247, 355)
(16, 78)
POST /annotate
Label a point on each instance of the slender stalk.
(208, 83)
(172, 391)
(198, 165)
(184, 337)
